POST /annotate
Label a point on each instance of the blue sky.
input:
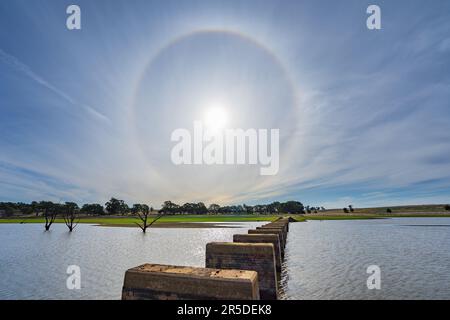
(363, 114)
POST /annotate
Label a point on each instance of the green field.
(167, 219)
(329, 215)
(410, 209)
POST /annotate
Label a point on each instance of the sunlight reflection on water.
(33, 262)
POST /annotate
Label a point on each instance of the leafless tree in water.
(50, 210)
(70, 215)
(143, 213)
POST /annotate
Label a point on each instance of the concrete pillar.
(166, 282)
(280, 222)
(259, 257)
(263, 238)
(273, 226)
(276, 225)
(270, 231)
(283, 234)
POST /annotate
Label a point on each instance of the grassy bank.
(186, 219)
(371, 216)
(168, 219)
(425, 209)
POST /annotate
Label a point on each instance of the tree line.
(119, 207)
(289, 207)
(70, 212)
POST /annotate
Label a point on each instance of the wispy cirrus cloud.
(21, 67)
(371, 125)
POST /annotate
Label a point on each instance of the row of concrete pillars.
(248, 268)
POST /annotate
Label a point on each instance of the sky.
(363, 114)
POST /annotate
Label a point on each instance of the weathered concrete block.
(285, 226)
(271, 231)
(259, 257)
(282, 220)
(279, 222)
(276, 225)
(166, 282)
(283, 234)
(263, 238)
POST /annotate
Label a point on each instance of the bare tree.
(50, 211)
(70, 215)
(143, 213)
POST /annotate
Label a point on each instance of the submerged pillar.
(282, 226)
(263, 238)
(279, 232)
(259, 257)
(167, 282)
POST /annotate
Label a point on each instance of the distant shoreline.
(217, 221)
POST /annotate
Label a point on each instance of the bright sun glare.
(216, 118)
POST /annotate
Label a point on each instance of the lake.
(33, 263)
(329, 259)
(324, 260)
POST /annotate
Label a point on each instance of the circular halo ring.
(291, 143)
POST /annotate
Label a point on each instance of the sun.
(216, 118)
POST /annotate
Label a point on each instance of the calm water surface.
(324, 260)
(329, 259)
(33, 263)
